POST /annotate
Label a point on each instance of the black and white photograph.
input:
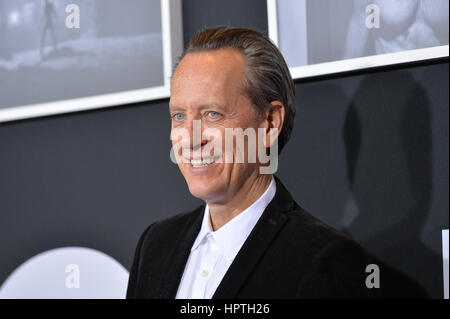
(60, 50)
(328, 36)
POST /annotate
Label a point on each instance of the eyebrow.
(200, 107)
(175, 108)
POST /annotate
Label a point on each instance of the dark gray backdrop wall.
(369, 154)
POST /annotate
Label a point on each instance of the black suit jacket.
(288, 254)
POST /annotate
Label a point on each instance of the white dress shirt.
(213, 251)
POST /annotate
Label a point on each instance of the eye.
(214, 114)
(178, 116)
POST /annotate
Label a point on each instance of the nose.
(196, 141)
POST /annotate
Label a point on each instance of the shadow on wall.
(388, 151)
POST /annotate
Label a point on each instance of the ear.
(274, 119)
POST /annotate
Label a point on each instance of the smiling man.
(250, 239)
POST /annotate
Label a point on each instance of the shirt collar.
(231, 236)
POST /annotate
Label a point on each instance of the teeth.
(200, 163)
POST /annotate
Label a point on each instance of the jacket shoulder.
(171, 226)
(337, 263)
(154, 243)
(305, 227)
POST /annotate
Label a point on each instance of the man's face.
(207, 86)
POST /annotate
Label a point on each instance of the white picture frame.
(172, 35)
(353, 64)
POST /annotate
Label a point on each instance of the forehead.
(208, 76)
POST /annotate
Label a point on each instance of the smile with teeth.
(201, 162)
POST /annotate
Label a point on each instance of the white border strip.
(369, 62)
(172, 46)
(445, 261)
(352, 64)
(272, 21)
(82, 104)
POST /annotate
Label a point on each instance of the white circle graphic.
(67, 273)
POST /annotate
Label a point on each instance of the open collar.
(231, 236)
(268, 226)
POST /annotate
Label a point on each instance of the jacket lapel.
(264, 232)
(177, 258)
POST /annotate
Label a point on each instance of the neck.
(248, 193)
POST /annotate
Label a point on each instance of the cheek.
(183, 169)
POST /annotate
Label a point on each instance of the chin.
(204, 189)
